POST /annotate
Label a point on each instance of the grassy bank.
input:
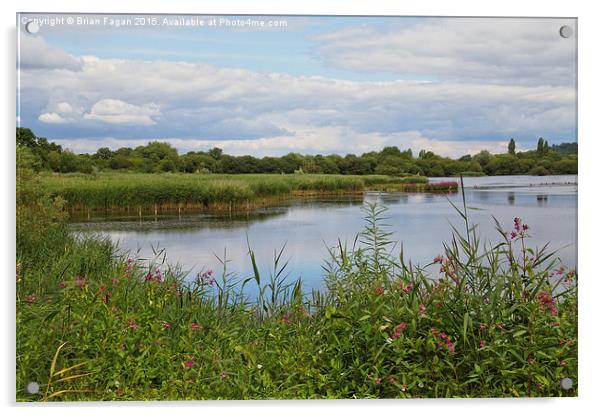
(480, 321)
(211, 191)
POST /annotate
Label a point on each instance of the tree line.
(157, 157)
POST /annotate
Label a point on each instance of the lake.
(422, 222)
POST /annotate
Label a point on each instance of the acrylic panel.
(295, 207)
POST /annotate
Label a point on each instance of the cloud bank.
(490, 80)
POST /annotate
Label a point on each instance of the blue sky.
(319, 85)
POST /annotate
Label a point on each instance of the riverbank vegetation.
(391, 161)
(482, 320)
(142, 191)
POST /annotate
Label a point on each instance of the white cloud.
(64, 107)
(114, 111)
(326, 140)
(35, 53)
(273, 113)
(488, 50)
(51, 118)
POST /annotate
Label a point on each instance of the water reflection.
(542, 200)
(308, 226)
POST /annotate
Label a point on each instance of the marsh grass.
(482, 320)
(135, 191)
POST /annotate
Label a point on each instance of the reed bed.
(115, 191)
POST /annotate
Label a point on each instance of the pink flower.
(223, 375)
(438, 259)
(285, 319)
(149, 277)
(377, 381)
(132, 324)
(80, 281)
(195, 326)
(206, 277)
(482, 326)
(546, 303)
(398, 329)
(62, 285)
(166, 325)
(519, 228)
(421, 309)
(31, 298)
(517, 223)
(406, 288)
(379, 290)
(189, 363)
(482, 344)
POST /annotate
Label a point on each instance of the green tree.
(540, 146)
(512, 147)
(216, 153)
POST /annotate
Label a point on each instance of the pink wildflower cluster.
(62, 285)
(166, 325)
(406, 288)
(104, 293)
(445, 341)
(80, 282)
(520, 229)
(195, 326)
(206, 277)
(421, 310)
(30, 299)
(155, 276)
(398, 329)
(132, 325)
(562, 271)
(286, 319)
(379, 290)
(569, 276)
(546, 303)
(129, 266)
(189, 363)
(448, 267)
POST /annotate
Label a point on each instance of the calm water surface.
(422, 222)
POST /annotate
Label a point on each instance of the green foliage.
(483, 320)
(211, 191)
(158, 157)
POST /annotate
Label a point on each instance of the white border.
(590, 155)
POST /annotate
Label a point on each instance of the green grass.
(212, 191)
(484, 320)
